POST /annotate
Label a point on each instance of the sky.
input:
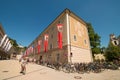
(24, 20)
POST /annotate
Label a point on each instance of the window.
(85, 41)
(75, 39)
(71, 54)
(115, 42)
(51, 36)
(52, 28)
(51, 46)
(58, 57)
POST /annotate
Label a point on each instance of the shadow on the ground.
(22, 75)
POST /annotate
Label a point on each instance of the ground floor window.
(58, 57)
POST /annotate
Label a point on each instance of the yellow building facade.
(75, 41)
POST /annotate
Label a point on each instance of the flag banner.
(60, 40)
(32, 49)
(45, 42)
(46, 37)
(6, 41)
(39, 42)
(60, 27)
(26, 53)
(7, 46)
(45, 46)
(60, 30)
(38, 47)
(29, 50)
(3, 40)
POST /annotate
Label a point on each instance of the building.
(5, 44)
(115, 40)
(99, 56)
(65, 40)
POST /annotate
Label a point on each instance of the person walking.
(23, 61)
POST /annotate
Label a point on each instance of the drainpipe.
(68, 38)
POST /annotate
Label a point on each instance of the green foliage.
(94, 39)
(13, 42)
(96, 50)
(112, 52)
(103, 50)
(119, 37)
(16, 46)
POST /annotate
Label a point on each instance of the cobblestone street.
(9, 70)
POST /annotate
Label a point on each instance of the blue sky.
(24, 20)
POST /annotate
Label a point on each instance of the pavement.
(9, 70)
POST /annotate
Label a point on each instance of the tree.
(118, 40)
(103, 50)
(16, 47)
(14, 43)
(94, 40)
(112, 52)
(118, 37)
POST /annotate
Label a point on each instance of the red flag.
(26, 53)
(60, 27)
(60, 30)
(32, 49)
(38, 47)
(45, 46)
(60, 40)
(45, 42)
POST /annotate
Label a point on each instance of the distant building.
(115, 41)
(5, 44)
(65, 40)
(99, 56)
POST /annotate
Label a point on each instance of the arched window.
(115, 42)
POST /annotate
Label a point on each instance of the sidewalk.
(9, 70)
